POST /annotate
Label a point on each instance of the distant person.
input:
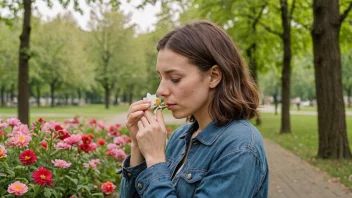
(220, 153)
(298, 103)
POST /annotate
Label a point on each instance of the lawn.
(311, 108)
(62, 113)
(304, 142)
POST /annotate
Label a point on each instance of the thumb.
(160, 119)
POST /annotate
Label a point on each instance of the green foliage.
(9, 43)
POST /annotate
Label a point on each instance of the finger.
(145, 121)
(140, 125)
(142, 106)
(150, 116)
(135, 116)
(160, 119)
(140, 102)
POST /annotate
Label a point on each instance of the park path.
(290, 176)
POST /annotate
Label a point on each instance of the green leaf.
(100, 194)
(51, 192)
(79, 187)
(75, 181)
(24, 180)
(47, 192)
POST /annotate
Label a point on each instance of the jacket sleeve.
(129, 175)
(237, 174)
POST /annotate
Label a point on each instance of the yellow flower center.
(42, 176)
(157, 102)
(27, 157)
(21, 138)
(17, 188)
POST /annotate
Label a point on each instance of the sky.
(145, 19)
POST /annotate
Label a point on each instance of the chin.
(179, 115)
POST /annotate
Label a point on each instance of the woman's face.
(184, 87)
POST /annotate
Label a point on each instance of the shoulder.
(241, 135)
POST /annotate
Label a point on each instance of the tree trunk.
(116, 99)
(12, 94)
(349, 98)
(286, 71)
(52, 94)
(79, 92)
(107, 96)
(2, 92)
(124, 97)
(23, 67)
(66, 99)
(276, 102)
(333, 142)
(130, 94)
(38, 95)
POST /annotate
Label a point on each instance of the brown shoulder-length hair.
(205, 45)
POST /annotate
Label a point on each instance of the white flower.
(155, 101)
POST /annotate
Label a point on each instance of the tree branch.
(267, 28)
(293, 6)
(256, 20)
(345, 13)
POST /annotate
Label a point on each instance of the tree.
(333, 142)
(8, 59)
(24, 50)
(286, 20)
(110, 46)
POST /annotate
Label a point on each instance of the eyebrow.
(169, 71)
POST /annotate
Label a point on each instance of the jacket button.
(195, 143)
(140, 186)
(189, 176)
(183, 153)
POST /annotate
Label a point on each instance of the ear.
(215, 76)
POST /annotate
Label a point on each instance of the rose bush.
(52, 159)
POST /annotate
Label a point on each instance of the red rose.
(41, 120)
(63, 134)
(100, 142)
(108, 187)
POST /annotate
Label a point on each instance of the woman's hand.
(135, 113)
(151, 137)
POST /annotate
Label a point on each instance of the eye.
(175, 80)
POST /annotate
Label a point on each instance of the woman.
(220, 153)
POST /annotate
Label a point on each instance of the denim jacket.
(223, 161)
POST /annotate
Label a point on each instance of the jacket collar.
(209, 134)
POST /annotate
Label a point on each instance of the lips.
(170, 106)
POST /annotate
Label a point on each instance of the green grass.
(310, 108)
(86, 109)
(304, 142)
(62, 113)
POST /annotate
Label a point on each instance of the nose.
(162, 90)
